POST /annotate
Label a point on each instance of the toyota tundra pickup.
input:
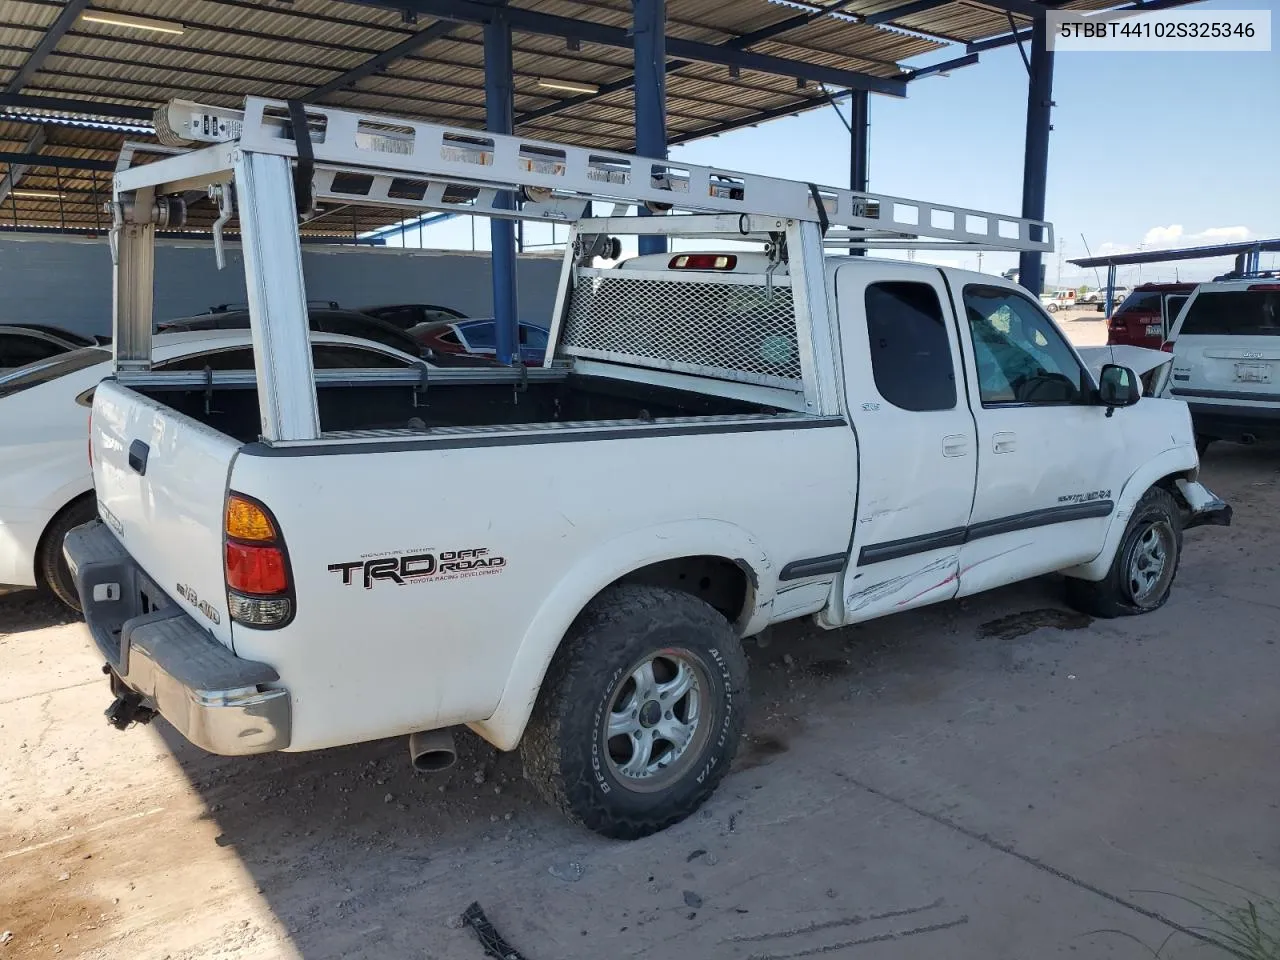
(567, 559)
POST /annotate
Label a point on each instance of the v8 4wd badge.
(419, 567)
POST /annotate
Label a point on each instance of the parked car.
(1055, 300)
(478, 338)
(406, 316)
(324, 319)
(1143, 319)
(46, 486)
(23, 344)
(79, 339)
(1226, 360)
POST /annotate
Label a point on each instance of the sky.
(1148, 151)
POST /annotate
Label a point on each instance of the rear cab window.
(910, 353)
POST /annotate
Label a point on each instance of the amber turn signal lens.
(248, 521)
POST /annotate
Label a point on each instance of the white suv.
(1226, 360)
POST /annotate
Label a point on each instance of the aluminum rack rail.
(362, 158)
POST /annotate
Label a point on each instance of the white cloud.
(1158, 237)
(1223, 235)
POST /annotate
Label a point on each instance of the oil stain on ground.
(1020, 624)
(759, 749)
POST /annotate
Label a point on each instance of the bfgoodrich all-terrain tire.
(1144, 567)
(51, 567)
(640, 713)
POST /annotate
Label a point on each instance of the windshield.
(42, 371)
(1234, 312)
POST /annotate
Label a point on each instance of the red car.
(1146, 315)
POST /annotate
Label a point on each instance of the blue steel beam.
(47, 160)
(1035, 161)
(859, 143)
(88, 107)
(943, 67)
(589, 31)
(499, 97)
(437, 31)
(650, 28)
(69, 15)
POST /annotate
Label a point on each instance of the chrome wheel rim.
(1151, 562)
(657, 720)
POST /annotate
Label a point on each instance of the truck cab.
(717, 441)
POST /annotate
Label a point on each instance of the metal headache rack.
(256, 163)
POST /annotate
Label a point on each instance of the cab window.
(1022, 358)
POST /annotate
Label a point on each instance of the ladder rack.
(362, 158)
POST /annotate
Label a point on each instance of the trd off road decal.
(1089, 497)
(419, 566)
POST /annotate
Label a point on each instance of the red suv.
(1146, 315)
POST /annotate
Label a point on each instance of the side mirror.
(1118, 387)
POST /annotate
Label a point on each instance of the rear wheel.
(51, 565)
(1144, 567)
(640, 713)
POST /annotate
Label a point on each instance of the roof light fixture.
(113, 19)
(570, 86)
(37, 194)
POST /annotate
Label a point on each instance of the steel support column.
(1035, 163)
(499, 118)
(859, 130)
(1110, 302)
(650, 32)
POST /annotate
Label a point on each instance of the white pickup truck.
(567, 559)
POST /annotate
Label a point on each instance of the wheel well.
(727, 585)
(43, 544)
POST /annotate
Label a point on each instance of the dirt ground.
(991, 778)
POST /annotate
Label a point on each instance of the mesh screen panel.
(730, 331)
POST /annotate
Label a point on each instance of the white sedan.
(46, 485)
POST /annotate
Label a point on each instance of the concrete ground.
(991, 778)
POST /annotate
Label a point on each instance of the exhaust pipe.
(432, 751)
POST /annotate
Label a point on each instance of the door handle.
(138, 452)
(955, 445)
(1004, 442)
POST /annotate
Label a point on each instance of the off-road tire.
(1111, 596)
(52, 571)
(565, 748)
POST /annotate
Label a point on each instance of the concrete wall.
(67, 281)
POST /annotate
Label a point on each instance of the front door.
(917, 449)
(1050, 461)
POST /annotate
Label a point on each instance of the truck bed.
(233, 410)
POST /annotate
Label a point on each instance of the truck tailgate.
(161, 481)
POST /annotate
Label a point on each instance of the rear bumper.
(162, 656)
(1231, 422)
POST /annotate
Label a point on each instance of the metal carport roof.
(730, 63)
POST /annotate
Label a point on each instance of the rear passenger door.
(904, 381)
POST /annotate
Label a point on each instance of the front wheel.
(640, 714)
(1144, 567)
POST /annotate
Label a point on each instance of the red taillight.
(703, 261)
(258, 570)
(1167, 346)
(91, 438)
(259, 587)
(1264, 286)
